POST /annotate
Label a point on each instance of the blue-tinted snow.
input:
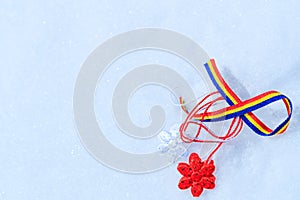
(44, 43)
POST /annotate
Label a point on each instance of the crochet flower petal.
(163, 148)
(174, 130)
(212, 178)
(196, 189)
(196, 177)
(164, 136)
(211, 162)
(195, 157)
(185, 183)
(207, 169)
(208, 182)
(184, 169)
(195, 162)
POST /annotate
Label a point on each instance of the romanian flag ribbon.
(244, 109)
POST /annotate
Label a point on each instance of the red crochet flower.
(197, 175)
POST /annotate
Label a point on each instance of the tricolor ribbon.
(244, 109)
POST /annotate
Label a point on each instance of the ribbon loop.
(244, 109)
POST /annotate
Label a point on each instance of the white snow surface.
(43, 45)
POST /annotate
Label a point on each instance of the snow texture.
(43, 45)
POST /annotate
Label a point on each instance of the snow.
(43, 45)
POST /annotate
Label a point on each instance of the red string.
(234, 129)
